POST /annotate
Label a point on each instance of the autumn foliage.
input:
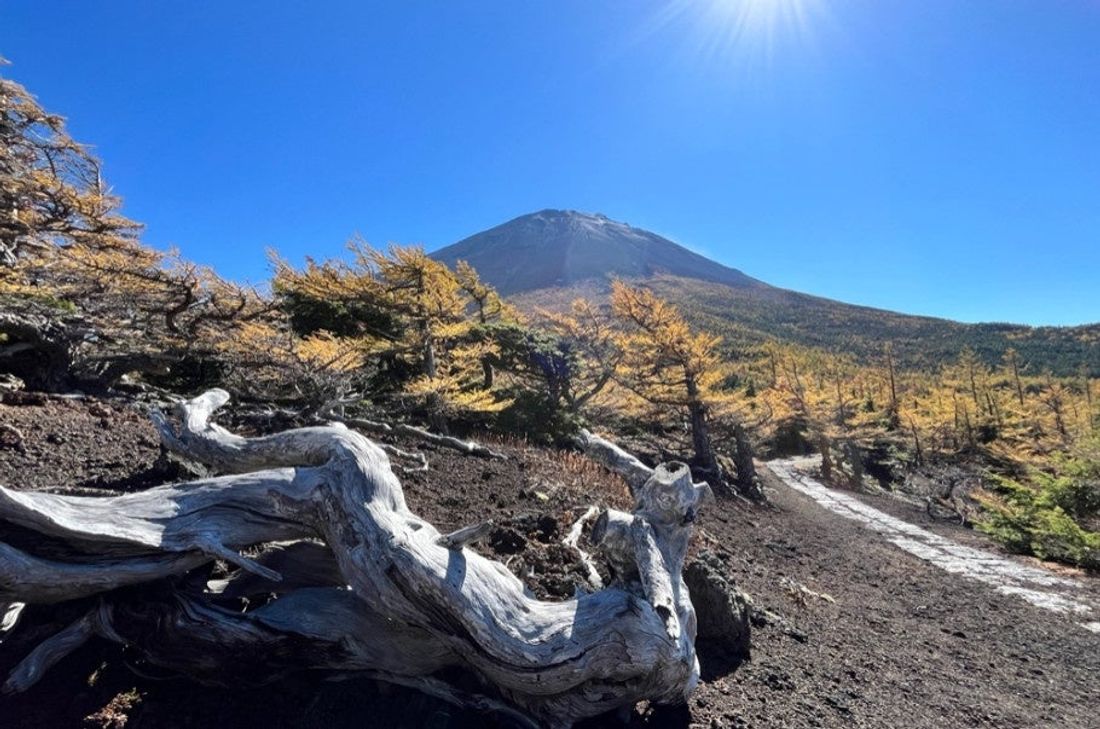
(83, 298)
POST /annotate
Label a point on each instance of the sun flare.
(748, 30)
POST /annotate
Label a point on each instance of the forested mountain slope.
(547, 259)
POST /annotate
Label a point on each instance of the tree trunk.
(381, 592)
(703, 450)
(747, 482)
(1016, 376)
(37, 347)
(855, 464)
(826, 458)
(893, 410)
(704, 457)
(918, 451)
(486, 373)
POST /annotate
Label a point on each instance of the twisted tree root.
(411, 601)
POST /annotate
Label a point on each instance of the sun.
(757, 24)
(748, 30)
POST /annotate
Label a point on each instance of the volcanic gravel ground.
(870, 635)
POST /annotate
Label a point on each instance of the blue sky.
(930, 157)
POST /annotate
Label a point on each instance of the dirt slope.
(900, 644)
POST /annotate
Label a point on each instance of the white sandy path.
(1034, 584)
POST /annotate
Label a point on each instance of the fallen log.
(410, 601)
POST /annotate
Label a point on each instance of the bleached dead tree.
(362, 583)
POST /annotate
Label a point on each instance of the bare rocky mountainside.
(548, 258)
(564, 247)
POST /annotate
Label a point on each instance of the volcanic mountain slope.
(548, 258)
(555, 248)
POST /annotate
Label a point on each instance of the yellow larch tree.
(83, 297)
(590, 352)
(410, 308)
(666, 364)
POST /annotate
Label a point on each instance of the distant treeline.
(918, 342)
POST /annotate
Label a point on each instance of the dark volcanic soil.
(893, 642)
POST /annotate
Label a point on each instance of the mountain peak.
(562, 247)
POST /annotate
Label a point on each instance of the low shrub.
(1052, 516)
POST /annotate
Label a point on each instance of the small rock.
(10, 382)
(541, 527)
(721, 609)
(839, 703)
(505, 540)
(546, 528)
(797, 634)
(778, 681)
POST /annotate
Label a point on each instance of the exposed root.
(572, 539)
(381, 591)
(419, 458)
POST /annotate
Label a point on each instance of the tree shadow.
(166, 469)
(718, 658)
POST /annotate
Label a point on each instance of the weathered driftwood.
(573, 538)
(635, 473)
(373, 589)
(465, 536)
(468, 447)
(603, 451)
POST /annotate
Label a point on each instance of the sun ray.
(742, 32)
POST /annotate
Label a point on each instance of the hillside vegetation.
(918, 342)
(748, 317)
